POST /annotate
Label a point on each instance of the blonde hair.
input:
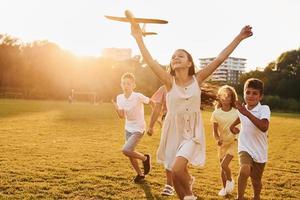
(129, 76)
(221, 91)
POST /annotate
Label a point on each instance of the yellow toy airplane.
(129, 17)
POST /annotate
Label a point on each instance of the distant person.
(130, 105)
(223, 116)
(253, 137)
(71, 96)
(182, 140)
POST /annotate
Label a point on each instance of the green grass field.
(56, 150)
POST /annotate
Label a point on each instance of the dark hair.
(190, 58)
(255, 84)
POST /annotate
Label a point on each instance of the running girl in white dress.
(182, 139)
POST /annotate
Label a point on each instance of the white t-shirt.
(251, 139)
(133, 107)
(224, 119)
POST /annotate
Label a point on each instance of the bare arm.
(211, 67)
(152, 104)
(154, 116)
(120, 113)
(216, 133)
(164, 77)
(261, 124)
(233, 127)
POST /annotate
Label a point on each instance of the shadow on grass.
(148, 193)
(229, 196)
(147, 189)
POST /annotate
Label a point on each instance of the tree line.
(42, 70)
(282, 81)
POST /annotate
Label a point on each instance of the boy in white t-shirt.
(130, 105)
(253, 137)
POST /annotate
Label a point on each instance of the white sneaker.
(229, 186)
(192, 197)
(222, 192)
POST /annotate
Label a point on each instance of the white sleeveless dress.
(182, 131)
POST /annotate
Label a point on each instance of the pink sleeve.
(160, 95)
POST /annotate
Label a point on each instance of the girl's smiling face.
(180, 60)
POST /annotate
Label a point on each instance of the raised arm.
(164, 77)
(211, 67)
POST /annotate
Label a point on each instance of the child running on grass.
(223, 116)
(253, 137)
(130, 105)
(182, 139)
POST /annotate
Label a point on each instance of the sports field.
(57, 150)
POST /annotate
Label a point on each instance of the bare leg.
(256, 176)
(257, 185)
(181, 177)
(135, 166)
(225, 166)
(134, 154)
(128, 149)
(169, 177)
(223, 176)
(242, 180)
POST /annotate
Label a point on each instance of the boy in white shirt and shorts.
(130, 105)
(253, 137)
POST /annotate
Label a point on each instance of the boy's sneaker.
(168, 191)
(222, 192)
(229, 186)
(138, 178)
(147, 164)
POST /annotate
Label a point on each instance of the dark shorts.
(257, 169)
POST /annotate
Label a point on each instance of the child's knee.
(245, 171)
(176, 171)
(126, 151)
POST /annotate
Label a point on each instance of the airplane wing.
(137, 20)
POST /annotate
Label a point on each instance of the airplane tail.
(149, 33)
